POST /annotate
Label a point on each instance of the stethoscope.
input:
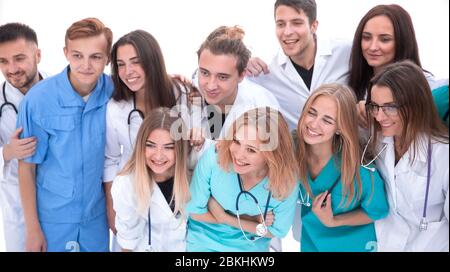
(261, 229)
(5, 102)
(423, 226)
(149, 246)
(130, 115)
(305, 201)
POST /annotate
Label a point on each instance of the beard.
(25, 82)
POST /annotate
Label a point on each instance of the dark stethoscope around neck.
(261, 229)
(5, 102)
(130, 116)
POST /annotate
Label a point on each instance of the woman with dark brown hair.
(384, 35)
(409, 143)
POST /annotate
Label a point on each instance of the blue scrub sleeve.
(374, 202)
(200, 186)
(31, 128)
(284, 214)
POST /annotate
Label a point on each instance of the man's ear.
(66, 52)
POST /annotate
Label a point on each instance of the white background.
(180, 26)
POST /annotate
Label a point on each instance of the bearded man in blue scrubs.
(61, 184)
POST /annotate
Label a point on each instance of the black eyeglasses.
(389, 110)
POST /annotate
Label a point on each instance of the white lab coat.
(249, 96)
(331, 65)
(120, 139)
(168, 232)
(10, 202)
(406, 187)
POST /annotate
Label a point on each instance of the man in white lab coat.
(305, 61)
(222, 59)
(19, 57)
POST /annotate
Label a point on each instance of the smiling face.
(129, 68)
(294, 31)
(218, 78)
(18, 63)
(391, 125)
(378, 42)
(320, 122)
(160, 154)
(245, 153)
(87, 59)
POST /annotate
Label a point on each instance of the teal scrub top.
(440, 97)
(317, 237)
(70, 150)
(211, 180)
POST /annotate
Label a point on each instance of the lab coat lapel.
(386, 165)
(323, 53)
(13, 95)
(290, 72)
(159, 202)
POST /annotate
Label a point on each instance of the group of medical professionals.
(345, 143)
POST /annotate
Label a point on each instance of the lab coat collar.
(422, 152)
(69, 97)
(324, 48)
(13, 94)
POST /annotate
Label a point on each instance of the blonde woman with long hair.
(151, 192)
(341, 199)
(236, 191)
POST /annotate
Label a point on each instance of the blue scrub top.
(317, 237)
(70, 148)
(211, 180)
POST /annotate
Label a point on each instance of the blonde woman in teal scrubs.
(253, 174)
(341, 199)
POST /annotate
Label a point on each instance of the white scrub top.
(406, 187)
(331, 65)
(168, 232)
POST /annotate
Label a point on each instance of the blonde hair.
(346, 142)
(160, 118)
(277, 148)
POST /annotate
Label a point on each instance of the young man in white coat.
(305, 61)
(222, 59)
(19, 57)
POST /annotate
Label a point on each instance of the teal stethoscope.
(5, 102)
(423, 222)
(261, 229)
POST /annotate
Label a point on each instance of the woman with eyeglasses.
(341, 199)
(410, 145)
(141, 85)
(244, 194)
